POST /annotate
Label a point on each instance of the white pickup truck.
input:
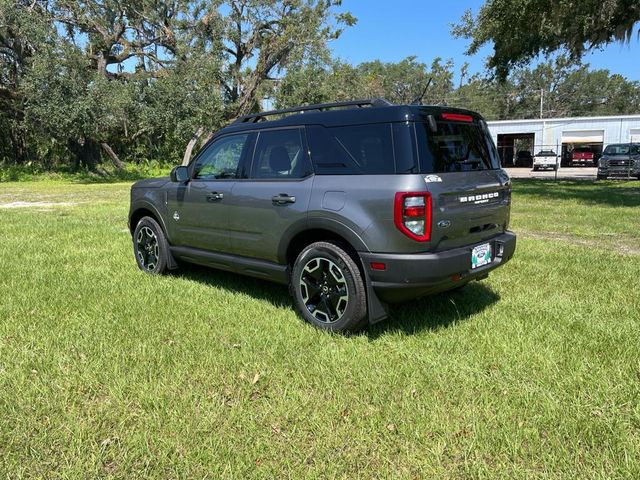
(546, 159)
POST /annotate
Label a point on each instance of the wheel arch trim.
(142, 205)
(311, 225)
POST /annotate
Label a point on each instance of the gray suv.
(354, 205)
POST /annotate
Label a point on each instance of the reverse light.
(412, 215)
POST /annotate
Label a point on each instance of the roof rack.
(260, 117)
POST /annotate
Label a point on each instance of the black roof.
(339, 114)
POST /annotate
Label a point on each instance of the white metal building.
(563, 134)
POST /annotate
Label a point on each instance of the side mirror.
(179, 174)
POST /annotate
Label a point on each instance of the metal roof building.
(563, 134)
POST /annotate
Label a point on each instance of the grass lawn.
(106, 372)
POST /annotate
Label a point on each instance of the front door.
(276, 196)
(199, 209)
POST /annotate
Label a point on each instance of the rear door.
(471, 194)
(274, 199)
(199, 210)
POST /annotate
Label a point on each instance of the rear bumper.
(545, 163)
(409, 276)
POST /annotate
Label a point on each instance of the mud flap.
(172, 264)
(377, 310)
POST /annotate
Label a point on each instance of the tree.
(492, 99)
(261, 37)
(108, 34)
(569, 88)
(402, 82)
(519, 30)
(139, 78)
(22, 32)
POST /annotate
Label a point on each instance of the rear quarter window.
(352, 150)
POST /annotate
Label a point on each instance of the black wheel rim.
(147, 248)
(324, 290)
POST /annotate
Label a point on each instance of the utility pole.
(541, 102)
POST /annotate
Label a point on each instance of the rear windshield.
(614, 150)
(455, 147)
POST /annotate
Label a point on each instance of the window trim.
(210, 144)
(305, 147)
(388, 124)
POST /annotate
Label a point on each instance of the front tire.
(328, 288)
(150, 247)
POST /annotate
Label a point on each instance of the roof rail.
(259, 117)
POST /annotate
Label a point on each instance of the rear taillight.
(412, 215)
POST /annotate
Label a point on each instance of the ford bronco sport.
(354, 205)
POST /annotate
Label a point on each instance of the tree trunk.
(86, 153)
(18, 144)
(112, 155)
(192, 143)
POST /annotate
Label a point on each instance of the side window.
(221, 158)
(280, 154)
(350, 150)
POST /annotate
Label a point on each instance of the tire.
(150, 247)
(328, 288)
(601, 177)
(535, 169)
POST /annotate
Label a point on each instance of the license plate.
(481, 255)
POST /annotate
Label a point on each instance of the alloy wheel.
(147, 248)
(324, 290)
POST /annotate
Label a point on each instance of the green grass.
(108, 173)
(108, 373)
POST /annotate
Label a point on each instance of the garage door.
(583, 136)
(635, 135)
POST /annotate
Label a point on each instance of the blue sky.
(391, 30)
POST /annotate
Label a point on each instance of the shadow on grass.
(436, 311)
(618, 193)
(429, 313)
(274, 293)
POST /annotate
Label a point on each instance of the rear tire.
(150, 247)
(601, 177)
(328, 288)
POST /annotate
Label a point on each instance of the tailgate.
(469, 208)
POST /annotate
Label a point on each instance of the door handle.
(283, 199)
(214, 197)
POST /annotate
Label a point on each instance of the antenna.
(418, 101)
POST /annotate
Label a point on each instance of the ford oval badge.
(444, 223)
